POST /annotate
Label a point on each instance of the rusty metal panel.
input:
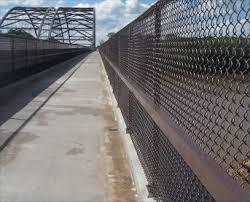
(20, 57)
(188, 62)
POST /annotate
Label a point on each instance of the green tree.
(101, 42)
(19, 32)
(110, 34)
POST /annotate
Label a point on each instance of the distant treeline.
(22, 33)
(207, 54)
(19, 32)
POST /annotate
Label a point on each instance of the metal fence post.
(157, 15)
(12, 54)
(129, 130)
(153, 188)
(119, 52)
(26, 55)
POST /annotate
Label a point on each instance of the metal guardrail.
(181, 75)
(21, 57)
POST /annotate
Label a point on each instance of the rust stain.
(117, 174)
(43, 119)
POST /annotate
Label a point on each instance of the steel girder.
(35, 21)
(74, 25)
(67, 25)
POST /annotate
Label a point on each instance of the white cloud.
(60, 3)
(2, 12)
(132, 6)
(21, 2)
(112, 15)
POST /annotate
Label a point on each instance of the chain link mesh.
(192, 59)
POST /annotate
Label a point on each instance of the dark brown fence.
(181, 75)
(21, 57)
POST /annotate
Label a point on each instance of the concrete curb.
(137, 172)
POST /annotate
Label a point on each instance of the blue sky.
(111, 15)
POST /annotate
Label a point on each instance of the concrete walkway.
(66, 144)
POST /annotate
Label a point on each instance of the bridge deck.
(66, 145)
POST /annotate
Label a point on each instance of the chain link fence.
(181, 75)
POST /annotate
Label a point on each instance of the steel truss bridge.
(48, 36)
(64, 24)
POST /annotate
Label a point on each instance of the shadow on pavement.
(16, 96)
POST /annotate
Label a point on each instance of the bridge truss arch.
(74, 25)
(64, 24)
